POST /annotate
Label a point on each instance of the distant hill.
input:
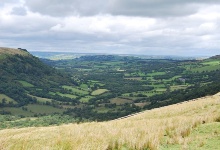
(190, 125)
(215, 57)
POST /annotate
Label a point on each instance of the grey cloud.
(7, 2)
(150, 8)
(53, 28)
(66, 7)
(21, 11)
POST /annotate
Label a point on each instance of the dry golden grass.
(12, 51)
(152, 129)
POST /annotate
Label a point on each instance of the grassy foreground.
(190, 125)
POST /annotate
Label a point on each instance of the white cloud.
(148, 27)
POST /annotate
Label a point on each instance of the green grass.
(36, 108)
(42, 100)
(102, 109)
(210, 135)
(86, 99)
(52, 93)
(213, 62)
(134, 78)
(158, 86)
(206, 68)
(2, 56)
(92, 82)
(17, 111)
(156, 73)
(67, 95)
(84, 86)
(26, 84)
(8, 99)
(204, 137)
(135, 94)
(119, 101)
(99, 91)
(178, 87)
(161, 90)
(76, 90)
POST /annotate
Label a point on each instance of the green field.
(212, 63)
(156, 73)
(76, 90)
(43, 109)
(7, 99)
(206, 68)
(26, 84)
(134, 78)
(178, 87)
(42, 100)
(102, 109)
(119, 101)
(17, 111)
(84, 86)
(66, 95)
(99, 91)
(86, 99)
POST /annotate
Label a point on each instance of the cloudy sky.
(149, 27)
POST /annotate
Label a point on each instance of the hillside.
(190, 125)
(23, 78)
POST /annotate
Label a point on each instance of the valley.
(97, 87)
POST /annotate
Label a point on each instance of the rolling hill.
(189, 125)
(23, 79)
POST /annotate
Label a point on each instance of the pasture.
(26, 84)
(76, 90)
(43, 109)
(99, 92)
(7, 99)
(120, 101)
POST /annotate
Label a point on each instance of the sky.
(145, 27)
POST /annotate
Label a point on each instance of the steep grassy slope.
(190, 125)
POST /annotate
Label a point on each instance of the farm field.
(76, 90)
(17, 111)
(43, 109)
(6, 99)
(42, 100)
(26, 84)
(99, 91)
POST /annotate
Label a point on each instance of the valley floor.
(190, 125)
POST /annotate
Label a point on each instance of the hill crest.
(12, 51)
